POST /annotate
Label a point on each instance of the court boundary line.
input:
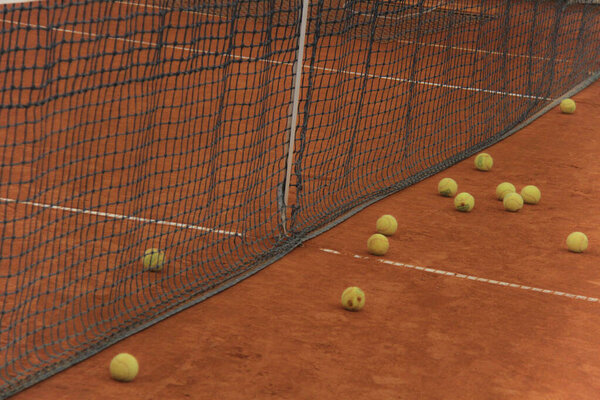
(291, 65)
(442, 46)
(119, 217)
(468, 277)
(6, 2)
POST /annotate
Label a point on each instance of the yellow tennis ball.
(577, 242)
(386, 225)
(567, 106)
(531, 194)
(153, 260)
(503, 189)
(464, 202)
(378, 244)
(512, 202)
(123, 367)
(447, 187)
(353, 299)
(484, 162)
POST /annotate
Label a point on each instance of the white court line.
(426, 10)
(239, 57)
(16, 1)
(474, 278)
(120, 217)
(424, 44)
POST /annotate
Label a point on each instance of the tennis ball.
(386, 225)
(577, 242)
(503, 189)
(123, 367)
(447, 187)
(353, 299)
(567, 106)
(378, 244)
(531, 194)
(153, 260)
(484, 162)
(513, 202)
(464, 202)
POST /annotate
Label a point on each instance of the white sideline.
(473, 278)
(120, 217)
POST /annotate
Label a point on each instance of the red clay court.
(126, 126)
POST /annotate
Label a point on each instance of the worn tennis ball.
(577, 242)
(447, 187)
(531, 194)
(378, 244)
(123, 367)
(503, 189)
(153, 260)
(484, 162)
(567, 106)
(464, 202)
(512, 202)
(353, 299)
(387, 225)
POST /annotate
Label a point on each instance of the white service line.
(473, 278)
(291, 65)
(120, 217)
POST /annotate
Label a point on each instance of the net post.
(298, 67)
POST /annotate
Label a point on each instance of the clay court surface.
(482, 305)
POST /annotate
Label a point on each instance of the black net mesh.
(130, 125)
